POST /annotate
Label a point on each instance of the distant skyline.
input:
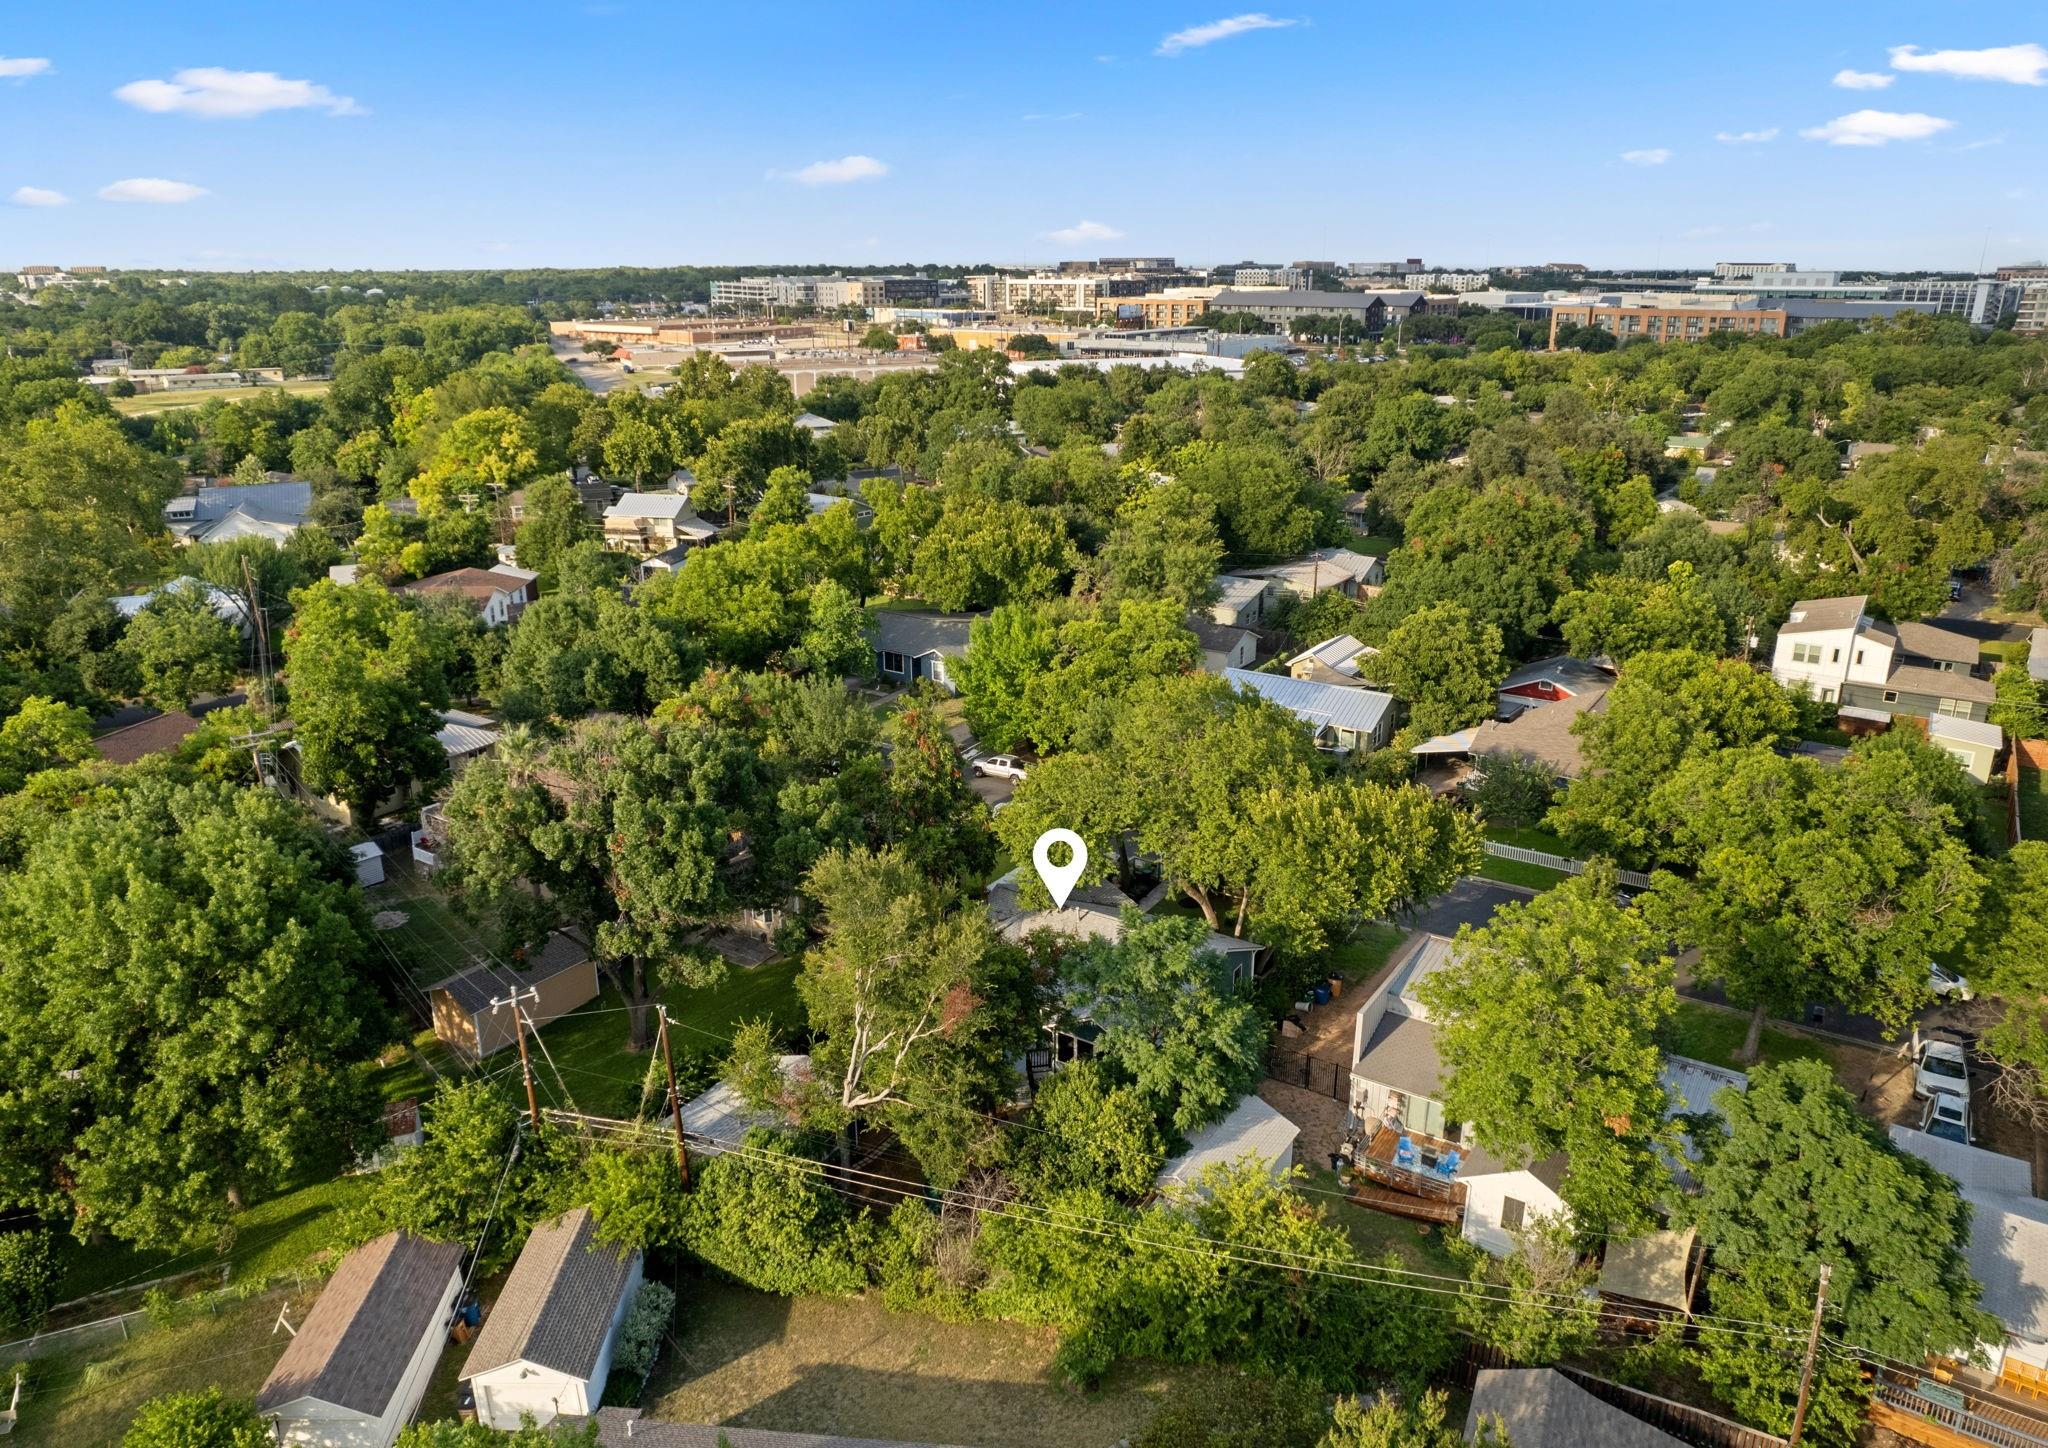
(630, 132)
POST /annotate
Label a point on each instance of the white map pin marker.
(1059, 879)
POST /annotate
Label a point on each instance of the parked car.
(1940, 1066)
(1946, 984)
(999, 766)
(1947, 1116)
(1955, 590)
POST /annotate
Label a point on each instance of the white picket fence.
(1634, 879)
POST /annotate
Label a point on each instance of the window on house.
(1859, 657)
(1891, 696)
(1805, 653)
(1835, 656)
(1953, 708)
(1511, 1213)
(892, 663)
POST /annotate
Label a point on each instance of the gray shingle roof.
(613, 1432)
(1402, 1054)
(474, 989)
(1544, 1409)
(354, 1345)
(1940, 684)
(558, 1302)
(1216, 638)
(1820, 615)
(1931, 641)
(913, 634)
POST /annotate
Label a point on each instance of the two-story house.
(1875, 671)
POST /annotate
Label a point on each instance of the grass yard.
(1514, 872)
(1528, 837)
(144, 403)
(1374, 545)
(1361, 957)
(828, 1366)
(1419, 1245)
(1707, 1033)
(270, 1237)
(2033, 805)
(89, 1396)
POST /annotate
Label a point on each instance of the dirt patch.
(389, 919)
(819, 1365)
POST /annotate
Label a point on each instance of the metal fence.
(1634, 879)
(82, 1334)
(1319, 1074)
(1941, 1407)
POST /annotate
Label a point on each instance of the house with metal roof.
(648, 523)
(1335, 660)
(221, 512)
(546, 1348)
(911, 645)
(354, 1371)
(2037, 655)
(1321, 570)
(1975, 743)
(1240, 600)
(719, 1120)
(1342, 718)
(560, 974)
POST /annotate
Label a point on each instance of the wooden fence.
(1681, 1420)
(1634, 879)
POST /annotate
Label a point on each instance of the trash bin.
(1322, 993)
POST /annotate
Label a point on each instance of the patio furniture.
(1404, 1151)
(1447, 1165)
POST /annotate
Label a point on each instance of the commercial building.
(1367, 310)
(2023, 271)
(35, 278)
(1145, 264)
(1742, 271)
(1669, 323)
(1177, 307)
(1270, 276)
(678, 332)
(2031, 318)
(1450, 281)
(1981, 301)
(825, 291)
(1053, 291)
(1792, 284)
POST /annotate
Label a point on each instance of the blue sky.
(452, 134)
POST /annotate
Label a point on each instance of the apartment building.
(1669, 323)
(1052, 291)
(1827, 284)
(1285, 277)
(825, 291)
(2031, 317)
(1180, 307)
(1368, 310)
(1981, 301)
(1742, 271)
(1450, 281)
(2023, 271)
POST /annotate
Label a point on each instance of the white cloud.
(1863, 79)
(834, 173)
(38, 196)
(2013, 64)
(1746, 138)
(21, 67)
(1050, 116)
(1876, 128)
(1085, 231)
(152, 189)
(1650, 156)
(1197, 36)
(220, 94)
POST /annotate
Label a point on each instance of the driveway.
(1471, 901)
(1965, 615)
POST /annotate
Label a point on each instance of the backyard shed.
(546, 1348)
(357, 1367)
(1252, 1129)
(561, 973)
(1653, 1271)
(1542, 1408)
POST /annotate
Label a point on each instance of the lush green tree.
(452, 1433)
(766, 1217)
(1801, 1178)
(1445, 665)
(42, 734)
(1620, 617)
(1536, 1304)
(554, 522)
(181, 647)
(29, 1273)
(1414, 1422)
(2010, 955)
(367, 675)
(1164, 545)
(182, 994)
(479, 454)
(585, 650)
(835, 639)
(785, 498)
(927, 811)
(1037, 674)
(1092, 1134)
(1265, 504)
(983, 552)
(206, 1418)
(2021, 709)
(1812, 885)
(878, 338)
(1666, 708)
(1548, 1023)
(1506, 552)
(1513, 790)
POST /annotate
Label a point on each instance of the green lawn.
(144, 403)
(1374, 545)
(1420, 1245)
(1514, 872)
(1707, 1033)
(1528, 837)
(2033, 805)
(435, 941)
(1360, 957)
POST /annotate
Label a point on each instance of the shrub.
(1514, 790)
(28, 1280)
(641, 1333)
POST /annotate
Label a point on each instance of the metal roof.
(2037, 654)
(1253, 1128)
(649, 505)
(1965, 731)
(557, 1305)
(720, 1116)
(353, 1348)
(1361, 710)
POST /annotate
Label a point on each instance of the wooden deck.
(1406, 1191)
(1402, 1204)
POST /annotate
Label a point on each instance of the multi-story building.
(1981, 301)
(1668, 323)
(2023, 271)
(35, 278)
(1742, 271)
(1828, 284)
(1052, 291)
(1179, 307)
(1874, 670)
(823, 291)
(1450, 281)
(1367, 310)
(1286, 277)
(2031, 318)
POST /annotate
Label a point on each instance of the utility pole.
(675, 1101)
(519, 1033)
(1820, 1302)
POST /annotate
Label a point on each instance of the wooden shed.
(561, 973)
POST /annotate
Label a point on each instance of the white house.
(355, 1370)
(1320, 570)
(1253, 1129)
(2007, 1250)
(228, 605)
(1343, 717)
(645, 523)
(546, 1348)
(1333, 661)
(1872, 670)
(499, 594)
(1223, 647)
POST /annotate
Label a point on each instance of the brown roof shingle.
(353, 1348)
(558, 1302)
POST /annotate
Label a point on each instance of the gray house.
(913, 646)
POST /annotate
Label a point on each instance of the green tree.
(451, 1433)
(878, 338)
(1038, 674)
(42, 734)
(1514, 790)
(1446, 665)
(29, 1274)
(1535, 1304)
(207, 1418)
(1506, 552)
(367, 675)
(835, 639)
(1093, 1134)
(1164, 545)
(2010, 948)
(1264, 501)
(2021, 709)
(181, 647)
(555, 522)
(1620, 617)
(983, 552)
(1548, 1022)
(583, 650)
(181, 998)
(785, 498)
(1415, 1422)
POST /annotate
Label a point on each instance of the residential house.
(1240, 600)
(647, 523)
(1095, 912)
(719, 1120)
(1549, 681)
(1975, 743)
(2007, 1250)
(464, 736)
(222, 512)
(815, 425)
(591, 490)
(2037, 655)
(561, 975)
(1357, 511)
(546, 1348)
(1320, 570)
(1530, 725)
(229, 606)
(1223, 648)
(692, 533)
(498, 594)
(354, 1371)
(913, 645)
(1343, 717)
(1333, 661)
(1253, 1129)
(1875, 671)
(1542, 1408)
